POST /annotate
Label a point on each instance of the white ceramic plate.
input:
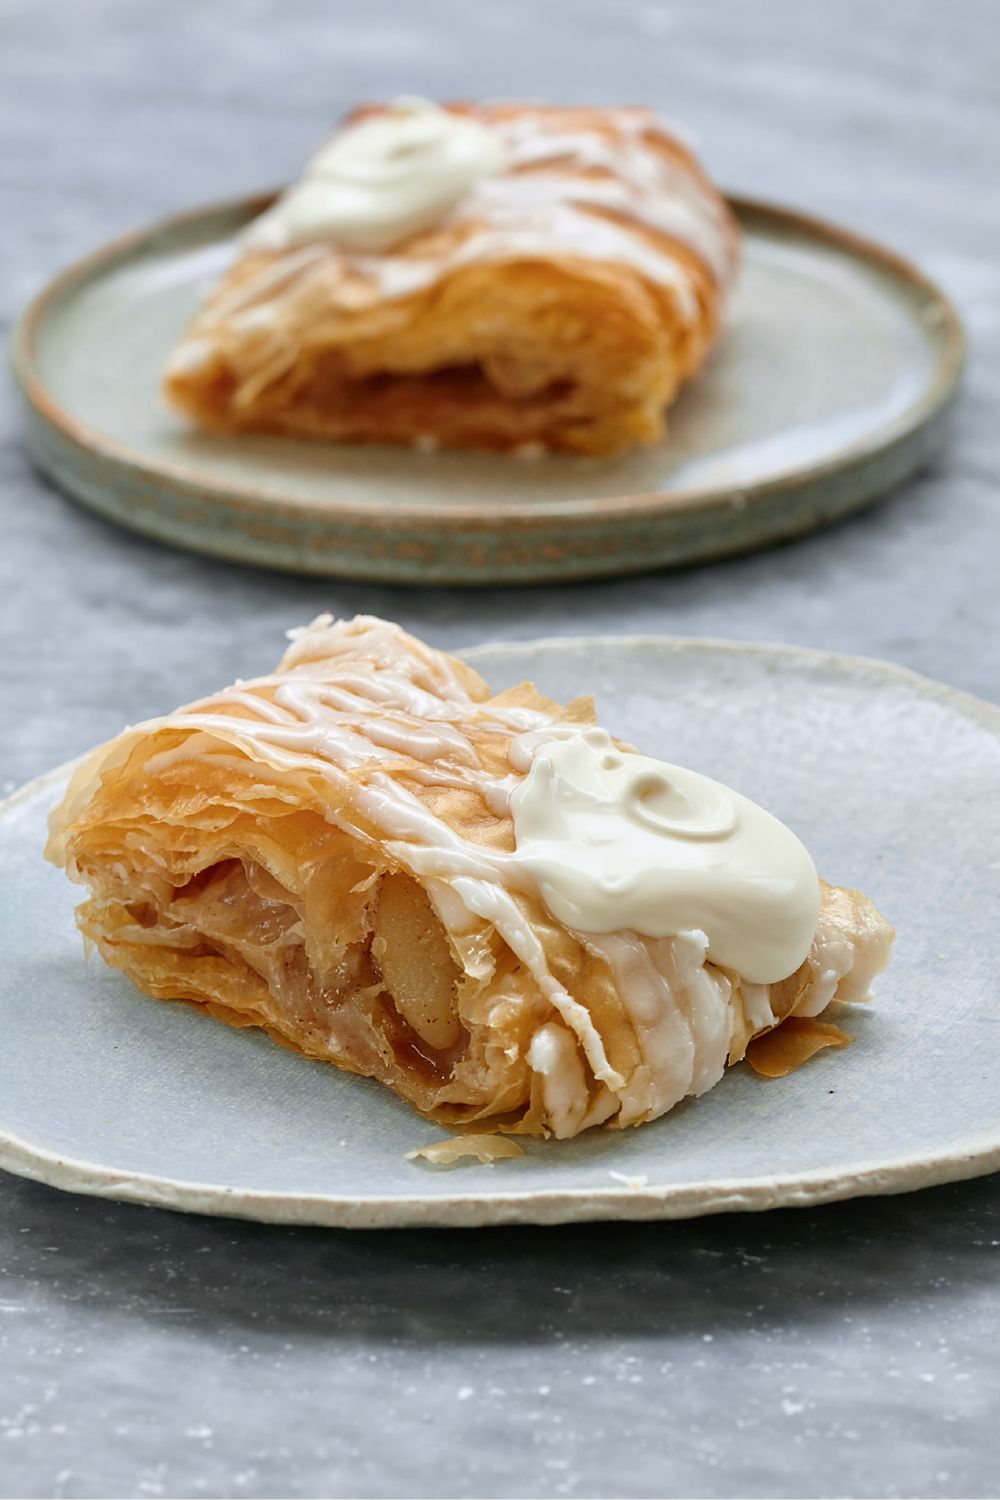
(893, 782)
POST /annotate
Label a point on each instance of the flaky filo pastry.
(328, 853)
(560, 304)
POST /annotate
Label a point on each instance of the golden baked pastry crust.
(324, 853)
(571, 338)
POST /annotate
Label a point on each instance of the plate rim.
(974, 1155)
(948, 337)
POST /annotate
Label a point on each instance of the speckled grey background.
(852, 1350)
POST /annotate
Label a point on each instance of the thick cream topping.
(384, 179)
(621, 842)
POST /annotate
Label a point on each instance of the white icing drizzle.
(269, 282)
(661, 1024)
(635, 179)
(355, 696)
(554, 1059)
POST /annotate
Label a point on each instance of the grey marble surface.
(852, 1350)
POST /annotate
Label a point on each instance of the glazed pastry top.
(608, 839)
(504, 183)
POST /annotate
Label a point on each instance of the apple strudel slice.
(504, 276)
(483, 901)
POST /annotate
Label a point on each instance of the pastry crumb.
(640, 1180)
(785, 1048)
(486, 1149)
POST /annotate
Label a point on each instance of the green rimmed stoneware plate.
(893, 782)
(830, 387)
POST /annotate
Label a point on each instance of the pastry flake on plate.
(498, 276)
(484, 902)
